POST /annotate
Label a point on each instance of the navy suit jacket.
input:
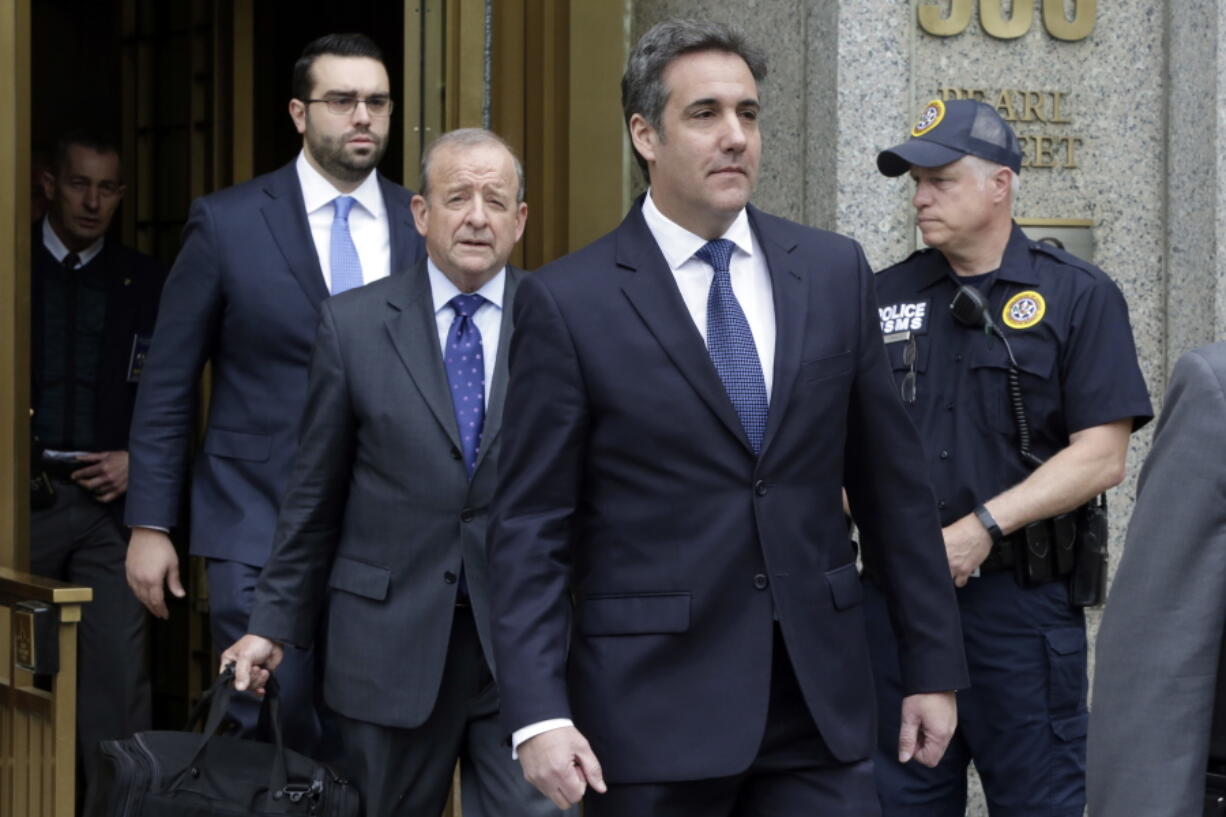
(244, 294)
(641, 553)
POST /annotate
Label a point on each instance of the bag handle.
(217, 700)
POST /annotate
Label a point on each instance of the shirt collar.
(443, 290)
(678, 244)
(318, 192)
(58, 251)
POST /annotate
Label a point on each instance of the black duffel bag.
(192, 774)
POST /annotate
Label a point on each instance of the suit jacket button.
(466, 515)
(759, 488)
(760, 581)
(449, 577)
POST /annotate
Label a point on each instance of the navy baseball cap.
(949, 130)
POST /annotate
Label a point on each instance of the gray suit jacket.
(380, 512)
(1158, 649)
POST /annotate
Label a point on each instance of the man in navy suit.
(676, 605)
(257, 260)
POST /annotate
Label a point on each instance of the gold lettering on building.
(939, 22)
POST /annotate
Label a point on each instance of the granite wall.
(1144, 93)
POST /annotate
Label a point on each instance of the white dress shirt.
(488, 317)
(751, 283)
(751, 280)
(367, 222)
(58, 251)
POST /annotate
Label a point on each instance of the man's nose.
(734, 137)
(360, 113)
(92, 198)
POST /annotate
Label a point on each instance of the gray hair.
(469, 137)
(984, 169)
(643, 89)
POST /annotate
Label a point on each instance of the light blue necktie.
(730, 344)
(346, 267)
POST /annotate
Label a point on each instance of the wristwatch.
(986, 519)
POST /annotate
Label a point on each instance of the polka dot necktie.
(731, 346)
(346, 267)
(466, 374)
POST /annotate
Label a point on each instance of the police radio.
(970, 308)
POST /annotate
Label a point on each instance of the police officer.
(1025, 405)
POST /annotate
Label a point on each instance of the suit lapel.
(402, 234)
(653, 292)
(412, 328)
(498, 387)
(790, 296)
(286, 217)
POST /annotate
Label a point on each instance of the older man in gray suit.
(384, 519)
(1156, 673)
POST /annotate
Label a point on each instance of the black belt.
(1003, 554)
(61, 470)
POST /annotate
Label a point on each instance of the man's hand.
(561, 765)
(151, 561)
(105, 474)
(928, 722)
(254, 658)
(967, 544)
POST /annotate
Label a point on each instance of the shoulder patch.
(908, 316)
(1024, 310)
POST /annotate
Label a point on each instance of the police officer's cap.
(947, 131)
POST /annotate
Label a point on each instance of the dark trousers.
(1023, 719)
(78, 540)
(231, 596)
(408, 772)
(793, 775)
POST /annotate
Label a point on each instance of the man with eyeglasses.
(244, 295)
(93, 306)
(1015, 361)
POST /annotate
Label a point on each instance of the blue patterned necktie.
(346, 268)
(466, 373)
(731, 346)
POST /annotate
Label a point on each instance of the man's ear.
(643, 136)
(421, 213)
(298, 113)
(1002, 183)
(48, 182)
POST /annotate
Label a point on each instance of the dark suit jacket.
(380, 511)
(244, 294)
(1157, 669)
(635, 528)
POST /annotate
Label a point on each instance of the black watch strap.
(989, 522)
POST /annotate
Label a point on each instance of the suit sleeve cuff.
(532, 730)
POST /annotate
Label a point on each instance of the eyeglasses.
(908, 381)
(376, 106)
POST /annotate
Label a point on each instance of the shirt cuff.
(533, 729)
(157, 528)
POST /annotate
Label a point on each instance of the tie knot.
(466, 305)
(343, 205)
(717, 253)
(71, 261)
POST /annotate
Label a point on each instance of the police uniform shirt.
(1067, 324)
